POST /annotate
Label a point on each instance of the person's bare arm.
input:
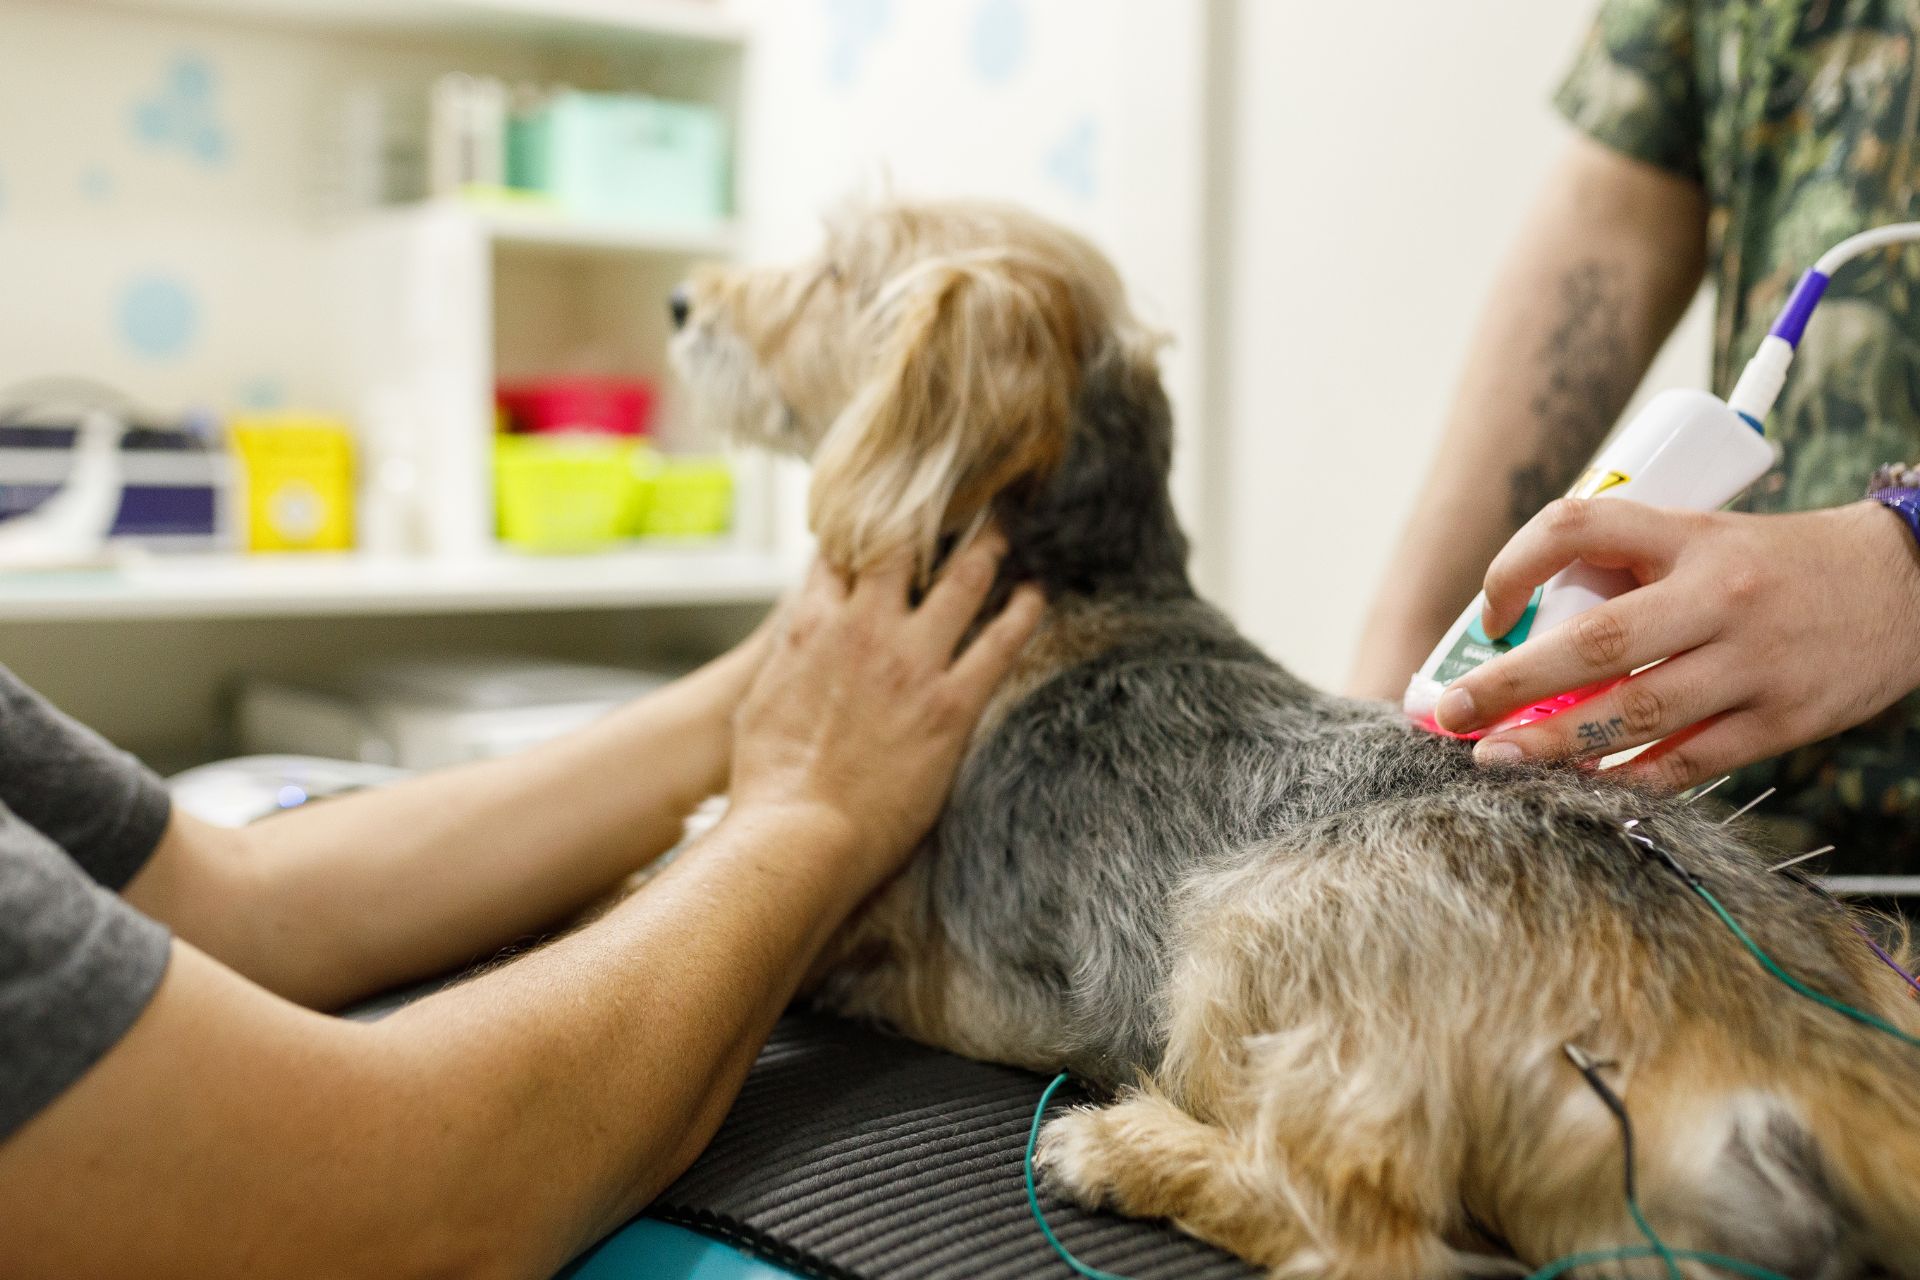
(1611, 256)
(497, 1128)
(340, 899)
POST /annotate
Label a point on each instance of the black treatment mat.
(854, 1155)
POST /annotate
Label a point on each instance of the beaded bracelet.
(1896, 487)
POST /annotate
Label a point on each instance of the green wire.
(1655, 1247)
(1794, 984)
(1658, 1245)
(1033, 1195)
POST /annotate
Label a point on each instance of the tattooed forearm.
(1588, 377)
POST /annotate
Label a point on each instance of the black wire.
(1590, 1071)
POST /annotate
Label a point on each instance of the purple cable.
(1799, 309)
(1888, 960)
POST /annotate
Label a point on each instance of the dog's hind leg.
(1144, 1157)
(1335, 1155)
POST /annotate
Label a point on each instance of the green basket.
(572, 493)
(564, 493)
(687, 498)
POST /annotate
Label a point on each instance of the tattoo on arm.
(1596, 735)
(1587, 362)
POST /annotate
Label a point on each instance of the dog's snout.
(678, 305)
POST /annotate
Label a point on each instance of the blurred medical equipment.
(232, 793)
(425, 713)
(71, 527)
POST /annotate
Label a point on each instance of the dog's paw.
(1075, 1160)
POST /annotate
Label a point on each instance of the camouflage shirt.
(1799, 117)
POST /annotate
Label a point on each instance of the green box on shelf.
(564, 493)
(571, 492)
(686, 498)
(623, 157)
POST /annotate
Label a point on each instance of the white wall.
(1089, 111)
(159, 214)
(1382, 158)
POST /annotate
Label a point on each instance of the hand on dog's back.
(862, 711)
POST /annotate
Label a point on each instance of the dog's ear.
(977, 364)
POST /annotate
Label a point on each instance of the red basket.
(617, 406)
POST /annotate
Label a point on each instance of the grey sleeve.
(77, 966)
(102, 806)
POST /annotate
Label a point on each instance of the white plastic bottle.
(1686, 449)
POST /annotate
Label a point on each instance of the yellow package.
(297, 472)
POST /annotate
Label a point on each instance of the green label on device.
(1475, 646)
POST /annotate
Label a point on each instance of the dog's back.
(1094, 802)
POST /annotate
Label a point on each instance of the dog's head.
(929, 359)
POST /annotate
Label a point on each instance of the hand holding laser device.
(1686, 450)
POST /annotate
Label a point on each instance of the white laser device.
(1686, 449)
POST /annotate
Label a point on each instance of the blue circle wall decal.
(999, 39)
(159, 317)
(853, 26)
(183, 114)
(263, 392)
(1071, 164)
(209, 144)
(152, 123)
(192, 77)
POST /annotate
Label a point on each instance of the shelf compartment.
(540, 229)
(217, 586)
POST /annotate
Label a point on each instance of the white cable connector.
(1761, 380)
(1766, 373)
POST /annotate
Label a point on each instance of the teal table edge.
(662, 1251)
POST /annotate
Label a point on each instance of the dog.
(1334, 978)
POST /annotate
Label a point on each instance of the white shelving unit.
(536, 229)
(431, 304)
(445, 299)
(663, 22)
(310, 586)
